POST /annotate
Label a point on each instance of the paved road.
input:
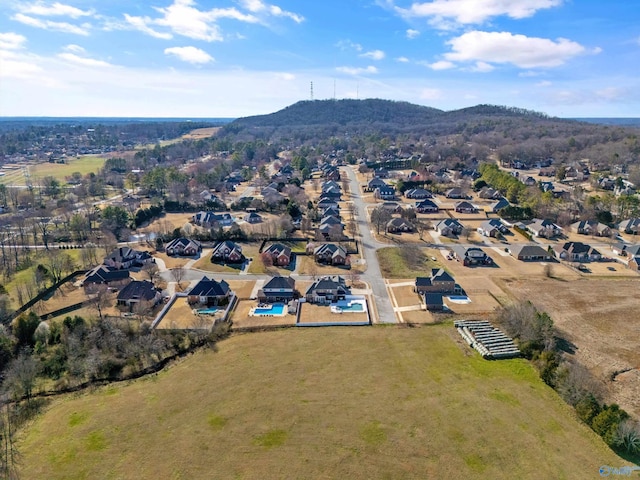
(372, 275)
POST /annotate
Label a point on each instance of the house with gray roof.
(530, 253)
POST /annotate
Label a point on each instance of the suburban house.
(375, 183)
(577, 252)
(449, 227)
(139, 293)
(278, 289)
(211, 219)
(331, 211)
(227, 252)
(454, 193)
(105, 275)
(434, 301)
(488, 193)
(528, 180)
(417, 193)
(253, 217)
(530, 253)
(329, 184)
(396, 225)
(385, 193)
(439, 282)
(544, 228)
(125, 257)
(465, 207)
(426, 206)
(280, 254)
(327, 290)
(499, 204)
(209, 292)
(634, 263)
(326, 203)
(630, 226)
(591, 227)
(330, 254)
(626, 250)
(330, 226)
(492, 228)
(471, 256)
(381, 172)
(184, 247)
(331, 194)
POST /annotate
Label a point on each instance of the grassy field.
(394, 265)
(371, 402)
(84, 164)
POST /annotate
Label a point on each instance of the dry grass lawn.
(600, 317)
(174, 262)
(181, 316)
(342, 403)
(312, 313)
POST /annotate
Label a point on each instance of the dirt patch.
(598, 317)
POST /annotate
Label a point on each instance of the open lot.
(60, 171)
(600, 317)
(181, 316)
(342, 403)
(311, 313)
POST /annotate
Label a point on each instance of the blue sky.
(230, 58)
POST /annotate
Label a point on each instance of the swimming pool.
(207, 311)
(275, 309)
(354, 307)
(459, 299)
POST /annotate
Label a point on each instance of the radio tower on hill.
(312, 91)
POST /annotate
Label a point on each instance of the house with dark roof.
(183, 247)
(434, 301)
(105, 275)
(449, 227)
(626, 249)
(426, 206)
(331, 194)
(209, 292)
(278, 289)
(543, 228)
(227, 252)
(492, 228)
(326, 203)
(140, 293)
(488, 193)
(455, 192)
(530, 253)
(212, 219)
(417, 193)
(440, 281)
(591, 227)
(330, 254)
(634, 263)
(126, 257)
(385, 193)
(399, 225)
(465, 207)
(329, 184)
(577, 252)
(331, 211)
(327, 290)
(253, 217)
(374, 183)
(472, 256)
(631, 226)
(280, 254)
(498, 205)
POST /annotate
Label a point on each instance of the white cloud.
(54, 10)
(441, 65)
(190, 55)
(373, 55)
(140, 23)
(50, 25)
(183, 18)
(507, 48)
(74, 49)
(285, 76)
(349, 45)
(83, 60)
(446, 13)
(482, 67)
(358, 71)
(12, 41)
(257, 6)
(411, 33)
(544, 83)
(402, 60)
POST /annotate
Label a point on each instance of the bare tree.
(101, 299)
(379, 217)
(21, 376)
(178, 274)
(152, 271)
(9, 454)
(313, 270)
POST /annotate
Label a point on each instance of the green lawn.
(379, 402)
(85, 164)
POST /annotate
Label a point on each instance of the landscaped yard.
(371, 402)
